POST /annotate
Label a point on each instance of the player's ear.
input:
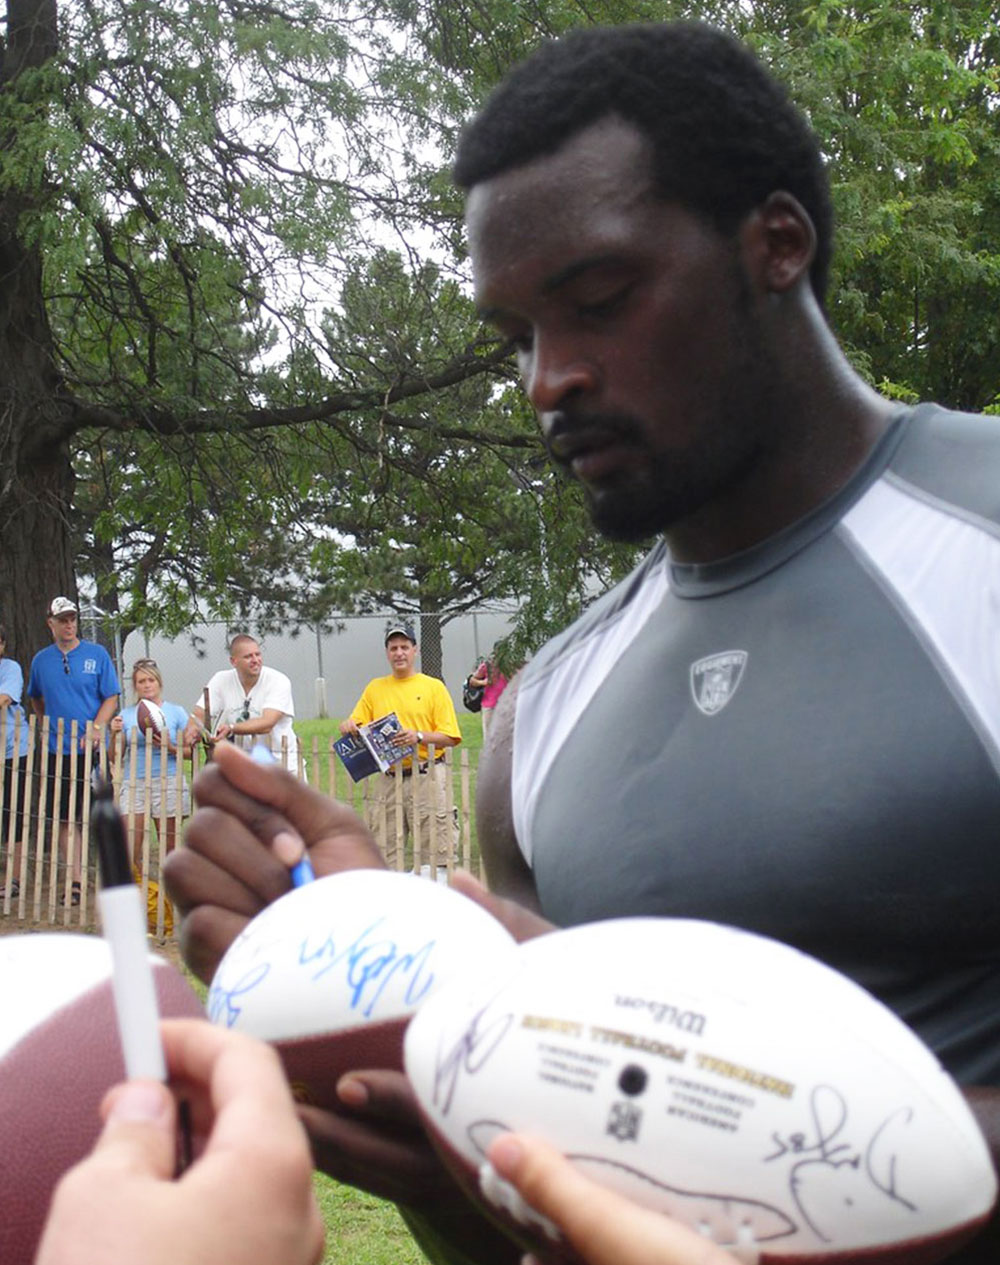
(779, 242)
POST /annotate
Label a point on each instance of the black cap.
(399, 630)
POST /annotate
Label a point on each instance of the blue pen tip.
(302, 873)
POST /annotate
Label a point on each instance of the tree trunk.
(36, 479)
(430, 643)
(36, 560)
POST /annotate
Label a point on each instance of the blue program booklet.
(370, 749)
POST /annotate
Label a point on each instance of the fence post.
(41, 888)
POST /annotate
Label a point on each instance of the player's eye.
(605, 306)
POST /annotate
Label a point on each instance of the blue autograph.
(222, 1002)
(371, 963)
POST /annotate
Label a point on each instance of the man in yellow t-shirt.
(427, 716)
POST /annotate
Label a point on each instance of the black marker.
(123, 920)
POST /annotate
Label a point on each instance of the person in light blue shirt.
(14, 728)
(154, 786)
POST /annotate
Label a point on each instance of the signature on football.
(467, 1055)
(223, 1005)
(828, 1167)
(368, 965)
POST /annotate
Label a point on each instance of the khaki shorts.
(134, 800)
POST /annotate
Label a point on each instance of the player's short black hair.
(724, 131)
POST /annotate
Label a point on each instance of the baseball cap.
(399, 630)
(62, 606)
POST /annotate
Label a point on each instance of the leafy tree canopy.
(239, 370)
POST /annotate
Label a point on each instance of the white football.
(717, 1076)
(333, 971)
(59, 1054)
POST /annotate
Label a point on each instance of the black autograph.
(468, 1055)
(824, 1150)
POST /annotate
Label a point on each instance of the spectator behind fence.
(483, 688)
(147, 684)
(14, 728)
(71, 680)
(248, 703)
(427, 716)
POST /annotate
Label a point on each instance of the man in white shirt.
(248, 704)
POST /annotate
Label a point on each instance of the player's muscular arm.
(506, 870)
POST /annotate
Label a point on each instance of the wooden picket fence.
(44, 877)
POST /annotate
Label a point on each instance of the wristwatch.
(420, 736)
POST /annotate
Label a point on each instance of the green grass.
(363, 1230)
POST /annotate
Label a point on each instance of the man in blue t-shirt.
(71, 680)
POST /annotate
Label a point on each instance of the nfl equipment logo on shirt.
(715, 679)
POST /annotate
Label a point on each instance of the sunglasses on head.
(143, 663)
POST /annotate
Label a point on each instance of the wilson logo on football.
(716, 678)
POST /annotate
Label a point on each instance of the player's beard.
(735, 430)
(669, 490)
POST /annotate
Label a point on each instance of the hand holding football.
(733, 1083)
(59, 1054)
(150, 718)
